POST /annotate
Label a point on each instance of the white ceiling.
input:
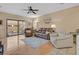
(44, 8)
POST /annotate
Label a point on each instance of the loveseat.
(42, 33)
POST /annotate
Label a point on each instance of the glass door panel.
(12, 28)
(21, 27)
(21, 32)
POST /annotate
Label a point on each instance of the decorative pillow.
(43, 32)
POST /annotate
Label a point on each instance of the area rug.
(35, 42)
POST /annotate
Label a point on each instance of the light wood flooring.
(46, 49)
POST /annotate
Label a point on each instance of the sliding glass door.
(15, 32)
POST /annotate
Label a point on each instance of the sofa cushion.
(54, 34)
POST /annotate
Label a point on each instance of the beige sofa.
(60, 40)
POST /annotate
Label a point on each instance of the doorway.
(14, 31)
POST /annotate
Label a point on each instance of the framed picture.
(0, 22)
(48, 20)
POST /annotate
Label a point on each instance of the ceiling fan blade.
(30, 10)
(35, 10)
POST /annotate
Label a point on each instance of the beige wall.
(67, 19)
(3, 17)
(28, 22)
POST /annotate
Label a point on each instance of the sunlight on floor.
(12, 42)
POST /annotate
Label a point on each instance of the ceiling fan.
(31, 10)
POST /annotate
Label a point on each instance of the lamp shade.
(12, 25)
(53, 26)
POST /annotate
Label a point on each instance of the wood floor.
(46, 49)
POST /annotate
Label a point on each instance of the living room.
(52, 33)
